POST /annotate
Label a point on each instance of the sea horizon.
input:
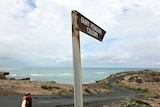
(65, 74)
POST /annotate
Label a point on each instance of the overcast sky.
(37, 33)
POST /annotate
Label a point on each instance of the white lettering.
(92, 29)
(92, 32)
(95, 28)
(85, 21)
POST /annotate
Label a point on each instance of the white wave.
(51, 74)
(13, 75)
(67, 74)
(36, 75)
(100, 73)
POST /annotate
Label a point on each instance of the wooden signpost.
(81, 23)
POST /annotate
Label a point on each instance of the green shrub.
(47, 87)
(87, 90)
(118, 83)
(142, 90)
(141, 102)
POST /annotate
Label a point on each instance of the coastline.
(12, 86)
(64, 75)
(146, 82)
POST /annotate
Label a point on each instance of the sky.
(37, 33)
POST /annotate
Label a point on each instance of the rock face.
(3, 75)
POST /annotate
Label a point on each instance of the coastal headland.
(145, 82)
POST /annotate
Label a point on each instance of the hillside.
(145, 82)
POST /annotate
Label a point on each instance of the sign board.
(88, 27)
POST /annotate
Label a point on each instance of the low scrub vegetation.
(47, 87)
(87, 90)
(141, 102)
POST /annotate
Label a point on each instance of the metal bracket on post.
(78, 97)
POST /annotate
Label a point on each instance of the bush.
(142, 90)
(141, 102)
(139, 80)
(87, 90)
(47, 87)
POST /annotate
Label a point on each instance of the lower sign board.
(88, 27)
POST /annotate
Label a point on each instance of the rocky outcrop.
(25, 79)
(3, 75)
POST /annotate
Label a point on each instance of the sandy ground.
(14, 87)
(147, 82)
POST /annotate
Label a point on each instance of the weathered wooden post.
(78, 100)
(81, 23)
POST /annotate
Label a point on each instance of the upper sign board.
(87, 26)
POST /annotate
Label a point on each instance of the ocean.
(65, 75)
